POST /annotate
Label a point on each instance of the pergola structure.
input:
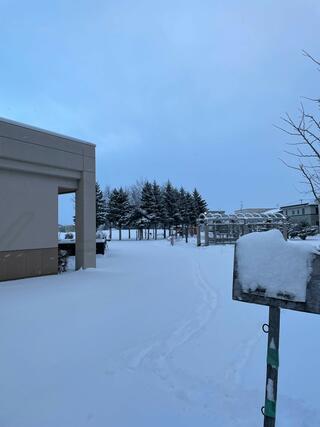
(35, 167)
(219, 228)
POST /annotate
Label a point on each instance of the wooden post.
(206, 234)
(245, 228)
(269, 409)
(285, 231)
(198, 235)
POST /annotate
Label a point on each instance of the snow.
(282, 268)
(151, 337)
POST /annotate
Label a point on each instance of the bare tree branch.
(307, 54)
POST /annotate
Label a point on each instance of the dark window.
(302, 211)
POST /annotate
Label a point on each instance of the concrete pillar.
(86, 221)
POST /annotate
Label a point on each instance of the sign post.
(273, 330)
(279, 299)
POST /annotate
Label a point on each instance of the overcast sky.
(181, 90)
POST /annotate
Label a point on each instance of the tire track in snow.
(234, 374)
(156, 356)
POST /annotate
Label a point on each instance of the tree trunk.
(129, 233)
(110, 233)
(156, 233)
(120, 234)
(164, 232)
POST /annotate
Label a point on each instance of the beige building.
(35, 167)
(302, 213)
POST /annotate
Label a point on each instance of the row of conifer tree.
(146, 206)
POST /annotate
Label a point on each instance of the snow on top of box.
(274, 267)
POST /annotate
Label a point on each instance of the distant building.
(220, 212)
(303, 212)
(253, 210)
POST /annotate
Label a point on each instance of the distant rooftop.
(292, 205)
(253, 210)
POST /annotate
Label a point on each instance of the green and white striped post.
(269, 409)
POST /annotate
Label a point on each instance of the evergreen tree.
(191, 209)
(158, 208)
(200, 204)
(101, 207)
(183, 207)
(147, 203)
(137, 218)
(147, 199)
(170, 198)
(112, 208)
(118, 209)
(178, 208)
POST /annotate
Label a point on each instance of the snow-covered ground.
(149, 338)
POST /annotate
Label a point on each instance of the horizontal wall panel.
(15, 165)
(38, 154)
(36, 136)
(28, 211)
(28, 263)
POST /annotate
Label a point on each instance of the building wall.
(36, 165)
(28, 218)
(302, 213)
(30, 211)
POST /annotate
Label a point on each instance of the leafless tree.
(305, 149)
(135, 192)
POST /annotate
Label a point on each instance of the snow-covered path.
(150, 338)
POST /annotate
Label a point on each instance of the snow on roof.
(293, 205)
(249, 217)
(269, 264)
(272, 211)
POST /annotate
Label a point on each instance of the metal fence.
(215, 228)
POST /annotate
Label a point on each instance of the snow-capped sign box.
(271, 271)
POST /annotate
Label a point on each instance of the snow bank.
(273, 266)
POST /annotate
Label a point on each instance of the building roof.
(253, 210)
(298, 205)
(58, 135)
